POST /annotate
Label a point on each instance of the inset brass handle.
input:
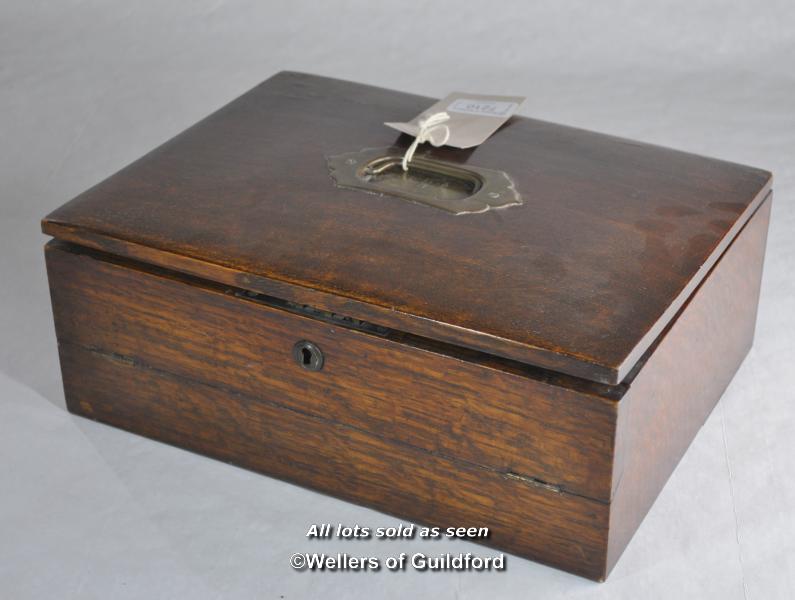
(450, 187)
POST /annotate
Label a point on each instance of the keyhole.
(308, 355)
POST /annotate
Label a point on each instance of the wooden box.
(536, 369)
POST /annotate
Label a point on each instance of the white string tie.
(433, 130)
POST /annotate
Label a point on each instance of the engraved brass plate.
(456, 189)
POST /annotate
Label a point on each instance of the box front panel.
(407, 430)
(441, 404)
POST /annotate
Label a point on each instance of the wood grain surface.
(561, 470)
(538, 370)
(525, 519)
(683, 379)
(443, 404)
(611, 240)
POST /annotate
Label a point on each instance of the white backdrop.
(86, 87)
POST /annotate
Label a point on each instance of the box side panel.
(682, 381)
(441, 404)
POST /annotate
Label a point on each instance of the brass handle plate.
(453, 188)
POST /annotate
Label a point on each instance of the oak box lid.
(611, 239)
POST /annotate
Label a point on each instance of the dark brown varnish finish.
(441, 404)
(611, 240)
(337, 459)
(539, 370)
(680, 383)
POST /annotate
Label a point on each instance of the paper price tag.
(472, 117)
(485, 108)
